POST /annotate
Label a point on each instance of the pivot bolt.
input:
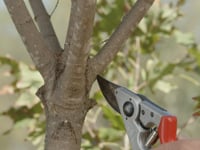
(128, 109)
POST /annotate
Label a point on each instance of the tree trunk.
(66, 105)
(64, 132)
(64, 118)
(64, 126)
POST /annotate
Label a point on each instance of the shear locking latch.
(167, 129)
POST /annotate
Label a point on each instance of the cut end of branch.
(41, 94)
(90, 104)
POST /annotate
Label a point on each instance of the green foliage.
(197, 108)
(152, 62)
(11, 63)
(25, 110)
(114, 118)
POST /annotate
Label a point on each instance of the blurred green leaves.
(14, 66)
(24, 110)
(113, 117)
(197, 108)
(184, 38)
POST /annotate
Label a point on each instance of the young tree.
(68, 73)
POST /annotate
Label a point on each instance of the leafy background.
(161, 60)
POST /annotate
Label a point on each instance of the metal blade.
(108, 90)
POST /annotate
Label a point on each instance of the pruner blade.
(108, 90)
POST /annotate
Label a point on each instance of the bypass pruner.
(145, 122)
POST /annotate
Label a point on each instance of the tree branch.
(79, 30)
(38, 50)
(119, 36)
(43, 20)
(76, 49)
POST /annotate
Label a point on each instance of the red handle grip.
(167, 129)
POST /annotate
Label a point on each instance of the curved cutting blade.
(108, 90)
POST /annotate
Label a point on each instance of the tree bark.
(69, 73)
(64, 126)
(44, 23)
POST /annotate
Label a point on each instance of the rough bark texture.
(69, 73)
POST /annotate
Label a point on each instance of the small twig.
(52, 12)
(137, 65)
(190, 121)
(89, 129)
(140, 86)
(105, 144)
(126, 143)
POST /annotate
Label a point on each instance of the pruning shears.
(145, 122)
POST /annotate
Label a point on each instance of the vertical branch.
(76, 48)
(37, 48)
(137, 66)
(80, 30)
(43, 20)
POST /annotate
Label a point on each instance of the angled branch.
(38, 50)
(119, 36)
(45, 26)
(79, 30)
